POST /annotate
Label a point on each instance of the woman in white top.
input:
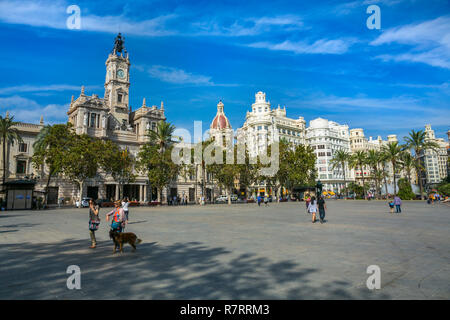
(312, 208)
(125, 205)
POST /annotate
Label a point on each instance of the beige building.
(110, 117)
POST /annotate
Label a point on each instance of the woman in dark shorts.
(94, 221)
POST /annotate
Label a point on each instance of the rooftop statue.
(118, 43)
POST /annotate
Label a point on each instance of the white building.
(435, 162)
(262, 122)
(326, 137)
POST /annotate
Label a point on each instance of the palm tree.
(341, 157)
(357, 161)
(162, 136)
(40, 142)
(416, 141)
(9, 135)
(373, 160)
(393, 152)
(383, 160)
(408, 163)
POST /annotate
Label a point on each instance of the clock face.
(120, 74)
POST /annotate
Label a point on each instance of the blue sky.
(318, 58)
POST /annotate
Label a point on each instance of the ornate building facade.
(112, 118)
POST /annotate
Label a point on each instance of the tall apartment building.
(435, 162)
(263, 121)
(326, 137)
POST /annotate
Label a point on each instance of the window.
(23, 147)
(21, 166)
(93, 118)
(119, 97)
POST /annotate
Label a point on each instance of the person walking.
(312, 208)
(259, 200)
(118, 217)
(94, 221)
(322, 207)
(398, 203)
(391, 205)
(266, 201)
(125, 205)
(308, 201)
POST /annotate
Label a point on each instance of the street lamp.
(319, 188)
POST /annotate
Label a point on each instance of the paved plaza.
(240, 251)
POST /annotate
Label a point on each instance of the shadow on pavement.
(189, 270)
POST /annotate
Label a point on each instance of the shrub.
(404, 190)
(444, 189)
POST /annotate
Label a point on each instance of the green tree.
(384, 174)
(408, 164)
(248, 173)
(340, 159)
(163, 136)
(416, 142)
(118, 163)
(300, 167)
(393, 152)
(373, 160)
(9, 135)
(158, 166)
(404, 190)
(82, 160)
(280, 179)
(225, 174)
(357, 161)
(50, 150)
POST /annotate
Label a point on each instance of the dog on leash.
(119, 238)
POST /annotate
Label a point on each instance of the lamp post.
(319, 188)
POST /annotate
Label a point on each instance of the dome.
(318, 123)
(220, 121)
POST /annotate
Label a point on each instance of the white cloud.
(178, 76)
(430, 42)
(322, 46)
(247, 26)
(52, 14)
(27, 110)
(42, 89)
(362, 103)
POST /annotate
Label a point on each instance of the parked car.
(85, 202)
(222, 198)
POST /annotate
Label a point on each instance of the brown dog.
(120, 238)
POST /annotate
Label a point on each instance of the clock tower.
(117, 84)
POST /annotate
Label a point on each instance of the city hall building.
(109, 117)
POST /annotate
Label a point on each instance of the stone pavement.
(240, 251)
